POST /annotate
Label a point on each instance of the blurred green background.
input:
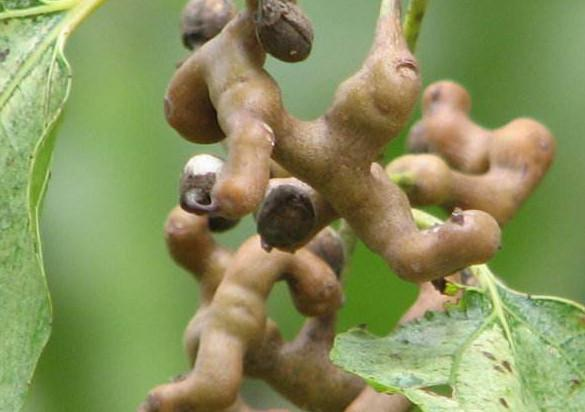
(120, 305)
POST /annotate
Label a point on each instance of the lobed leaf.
(34, 84)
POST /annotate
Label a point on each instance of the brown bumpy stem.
(301, 370)
(414, 255)
(472, 168)
(230, 335)
(448, 130)
(361, 121)
(221, 92)
(218, 93)
(221, 334)
(191, 245)
(333, 154)
(241, 183)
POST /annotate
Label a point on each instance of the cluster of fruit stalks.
(300, 176)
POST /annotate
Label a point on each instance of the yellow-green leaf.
(497, 350)
(34, 84)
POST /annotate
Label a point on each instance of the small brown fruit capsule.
(197, 181)
(284, 30)
(204, 19)
(285, 217)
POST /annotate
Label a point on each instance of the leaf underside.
(34, 84)
(530, 356)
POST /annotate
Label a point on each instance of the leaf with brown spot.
(499, 350)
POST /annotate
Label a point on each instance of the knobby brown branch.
(300, 176)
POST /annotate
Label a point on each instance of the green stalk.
(80, 12)
(413, 21)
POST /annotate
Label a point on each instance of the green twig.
(413, 21)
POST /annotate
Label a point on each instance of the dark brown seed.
(284, 30)
(286, 217)
(204, 19)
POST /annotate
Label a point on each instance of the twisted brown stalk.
(230, 334)
(222, 91)
(468, 166)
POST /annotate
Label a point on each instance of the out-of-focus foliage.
(120, 305)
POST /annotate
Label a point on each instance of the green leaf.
(34, 84)
(497, 350)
